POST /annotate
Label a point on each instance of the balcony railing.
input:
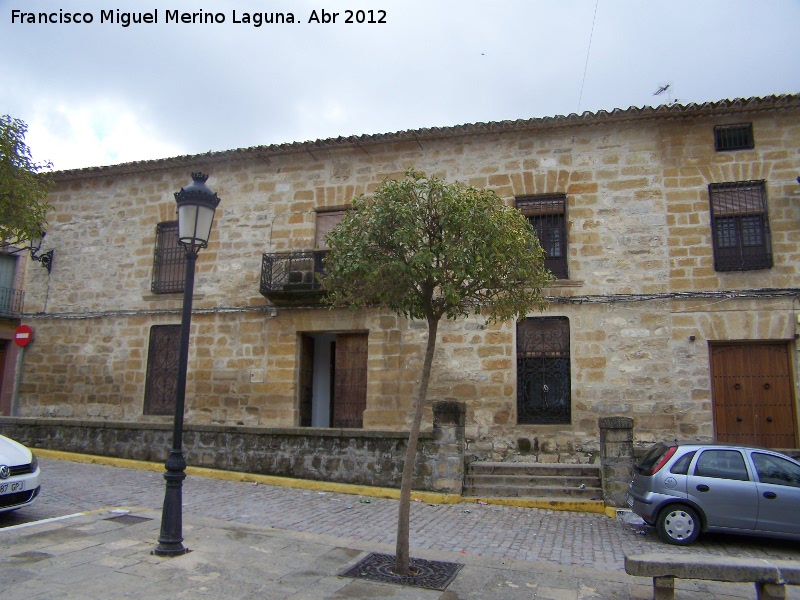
(292, 277)
(11, 302)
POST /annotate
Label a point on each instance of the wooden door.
(753, 394)
(306, 379)
(350, 380)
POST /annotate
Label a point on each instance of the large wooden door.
(753, 394)
(350, 380)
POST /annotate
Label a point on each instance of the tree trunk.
(401, 565)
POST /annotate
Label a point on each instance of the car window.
(776, 470)
(721, 464)
(652, 457)
(681, 466)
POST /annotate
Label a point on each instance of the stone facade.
(643, 299)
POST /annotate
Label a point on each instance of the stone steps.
(533, 480)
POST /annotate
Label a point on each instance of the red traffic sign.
(23, 335)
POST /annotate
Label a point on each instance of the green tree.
(428, 250)
(23, 186)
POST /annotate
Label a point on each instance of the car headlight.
(34, 463)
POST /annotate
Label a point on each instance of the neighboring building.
(674, 233)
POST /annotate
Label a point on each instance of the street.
(500, 532)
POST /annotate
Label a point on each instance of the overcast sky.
(100, 93)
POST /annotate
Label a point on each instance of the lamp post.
(196, 207)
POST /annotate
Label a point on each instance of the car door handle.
(770, 495)
(703, 488)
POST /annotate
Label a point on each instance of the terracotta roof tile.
(673, 111)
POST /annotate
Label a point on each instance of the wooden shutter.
(326, 221)
(306, 379)
(350, 380)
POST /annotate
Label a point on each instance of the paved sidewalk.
(106, 553)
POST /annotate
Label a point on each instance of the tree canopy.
(428, 249)
(24, 185)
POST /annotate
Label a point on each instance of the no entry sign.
(23, 335)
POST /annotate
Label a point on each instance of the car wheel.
(678, 524)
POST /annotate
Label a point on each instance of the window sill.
(167, 297)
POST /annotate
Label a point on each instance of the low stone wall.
(361, 457)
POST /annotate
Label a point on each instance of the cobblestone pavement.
(500, 532)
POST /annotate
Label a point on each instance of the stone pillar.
(616, 458)
(449, 417)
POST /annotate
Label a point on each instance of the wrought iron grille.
(547, 216)
(169, 260)
(292, 271)
(733, 137)
(740, 226)
(11, 302)
(162, 370)
(543, 371)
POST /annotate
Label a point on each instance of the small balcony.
(11, 302)
(292, 278)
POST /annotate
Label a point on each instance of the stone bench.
(770, 576)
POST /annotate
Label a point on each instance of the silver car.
(685, 489)
(19, 475)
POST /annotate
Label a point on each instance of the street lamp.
(196, 207)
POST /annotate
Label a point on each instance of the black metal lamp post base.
(171, 538)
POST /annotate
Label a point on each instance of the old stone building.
(674, 233)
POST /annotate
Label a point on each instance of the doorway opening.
(333, 379)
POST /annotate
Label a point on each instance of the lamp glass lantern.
(196, 207)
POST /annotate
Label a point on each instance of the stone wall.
(373, 458)
(639, 244)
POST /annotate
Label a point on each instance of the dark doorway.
(333, 379)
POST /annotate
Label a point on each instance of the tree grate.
(428, 574)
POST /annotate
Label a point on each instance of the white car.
(19, 475)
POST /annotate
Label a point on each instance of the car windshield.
(651, 458)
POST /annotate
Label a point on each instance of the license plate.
(629, 500)
(12, 487)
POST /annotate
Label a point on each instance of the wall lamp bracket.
(46, 259)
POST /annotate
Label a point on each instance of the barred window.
(733, 137)
(740, 226)
(169, 260)
(544, 393)
(160, 392)
(547, 216)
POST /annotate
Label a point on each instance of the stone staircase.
(552, 482)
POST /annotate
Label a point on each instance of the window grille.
(740, 226)
(733, 137)
(547, 216)
(543, 371)
(169, 260)
(160, 392)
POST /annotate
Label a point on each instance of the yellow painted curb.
(306, 484)
(588, 506)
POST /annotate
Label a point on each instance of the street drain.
(128, 519)
(428, 574)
